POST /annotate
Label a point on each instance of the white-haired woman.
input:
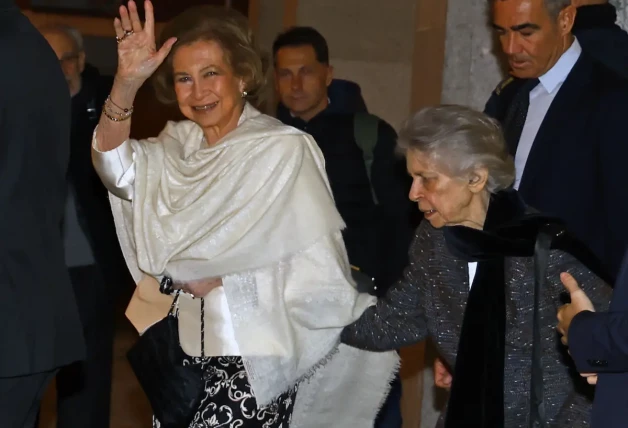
(471, 283)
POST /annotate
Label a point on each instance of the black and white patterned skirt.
(229, 401)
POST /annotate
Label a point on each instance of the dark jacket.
(39, 323)
(346, 97)
(430, 301)
(93, 209)
(601, 37)
(598, 342)
(576, 169)
(377, 237)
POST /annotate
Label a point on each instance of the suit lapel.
(562, 124)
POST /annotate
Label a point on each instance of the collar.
(559, 72)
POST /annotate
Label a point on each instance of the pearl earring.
(244, 94)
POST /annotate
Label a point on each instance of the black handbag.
(174, 390)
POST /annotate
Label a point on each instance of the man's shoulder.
(503, 84)
(507, 87)
(501, 96)
(609, 87)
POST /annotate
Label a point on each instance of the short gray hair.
(553, 6)
(70, 32)
(459, 140)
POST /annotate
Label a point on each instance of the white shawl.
(256, 209)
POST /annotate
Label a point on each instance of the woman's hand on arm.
(201, 288)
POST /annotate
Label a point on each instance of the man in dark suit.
(598, 344)
(40, 330)
(92, 253)
(564, 116)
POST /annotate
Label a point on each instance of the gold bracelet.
(115, 119)
(117, 114)
(126, 110)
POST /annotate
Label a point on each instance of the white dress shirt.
(472, 268)
(541, 98)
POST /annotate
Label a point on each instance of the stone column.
(622, 12)
(472, 69)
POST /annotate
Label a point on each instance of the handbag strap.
(541, 259)
(174, 311)
(202, 327)
(174, 308)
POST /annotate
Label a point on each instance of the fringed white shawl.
(255, 209)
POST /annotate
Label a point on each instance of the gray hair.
(553, 6)
(70, 32)
(459, 140)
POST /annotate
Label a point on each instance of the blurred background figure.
(92, 253)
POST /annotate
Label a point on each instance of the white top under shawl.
(257, 211)
(219, 331)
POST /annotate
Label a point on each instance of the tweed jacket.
(430, 301)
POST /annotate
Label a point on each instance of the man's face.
(301, 80)
(71, 60)
(532, 40)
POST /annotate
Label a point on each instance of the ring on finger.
(127, 33)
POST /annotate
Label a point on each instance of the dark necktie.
(516, 115)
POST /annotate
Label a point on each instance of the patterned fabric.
(430, 302)
(229, 401)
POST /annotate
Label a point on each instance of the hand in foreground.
(138, 57)
(579, 302)
(201, 288)
(442, 377)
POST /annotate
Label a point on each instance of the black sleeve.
(613, 152)
(608, 46)
(397, 216)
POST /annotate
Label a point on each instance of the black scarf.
(510, 230)
(477, 393)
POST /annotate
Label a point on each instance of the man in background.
(369, 182)
(563, 115)
(92, 253)
(567, 79)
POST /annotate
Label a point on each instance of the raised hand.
(138, 56)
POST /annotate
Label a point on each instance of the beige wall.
(370, 42)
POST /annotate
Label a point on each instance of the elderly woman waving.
(483, 281)
(232, 211)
